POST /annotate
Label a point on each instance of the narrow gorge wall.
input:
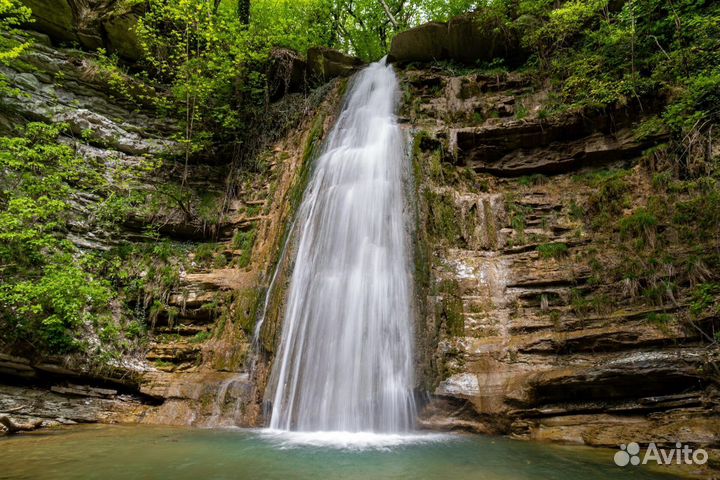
(545, 317)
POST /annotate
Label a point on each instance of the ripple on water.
(358, 441)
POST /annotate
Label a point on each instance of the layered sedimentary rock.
(518, 333)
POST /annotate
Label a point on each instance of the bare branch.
(389, 14)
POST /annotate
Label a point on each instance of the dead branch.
(13, 427)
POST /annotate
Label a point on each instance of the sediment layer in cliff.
(539, 316)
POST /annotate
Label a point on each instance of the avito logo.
(630, 455)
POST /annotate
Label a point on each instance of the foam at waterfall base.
(349, 440)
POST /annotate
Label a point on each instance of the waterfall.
(345, 359)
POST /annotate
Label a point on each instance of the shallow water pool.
(111, 452)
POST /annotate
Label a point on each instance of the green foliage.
(641, 223)
(552, 250)
(610, 197)
(12, 15)
(50, 290)
(206, 57)
(602, 54)
(661, 321)
(705, 299)
(244, 241)
(201, 337)
(532, 180)
(516, 215)
(54, 304)
(561, 24)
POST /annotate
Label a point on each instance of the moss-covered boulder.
(93, 24)
(325, 63)
(121, 37)
(469, 38)
(54, 18)
(472, 38)
(425, 43)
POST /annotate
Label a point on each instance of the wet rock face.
(469, 38)
(520, 334)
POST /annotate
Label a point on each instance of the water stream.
(345, 359)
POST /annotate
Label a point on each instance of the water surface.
(110, 452)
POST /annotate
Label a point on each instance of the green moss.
(576, 211)
(532, 180)
(205, 252)
(582, 304)
(310, 151)
(442, 217)
(516, 215)
(209, 207)
(200, 337)
(610, 198)
(641, 224)
(661, 321)
(552, 250)
(247, 301)
(436, 166)
(705, 299)
(450, 308)
(244, 241)
(163, 365)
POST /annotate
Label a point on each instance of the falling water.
(345, 357)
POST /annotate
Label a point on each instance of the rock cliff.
(222, 243)
(540, 319)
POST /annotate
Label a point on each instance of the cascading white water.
(345, 359)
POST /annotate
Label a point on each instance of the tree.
(243, 11)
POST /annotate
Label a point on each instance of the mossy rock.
(122, 37)
(469, 38)
(325, 64)
(54, 18)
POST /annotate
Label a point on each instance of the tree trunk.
(243, 11)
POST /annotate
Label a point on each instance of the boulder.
(425, 43)
(121, 37)
(471, 39)
(53, 17)
(325, 64)
(92, 24)
(468, 38)
(287, 73)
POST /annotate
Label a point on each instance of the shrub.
(552, 250)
